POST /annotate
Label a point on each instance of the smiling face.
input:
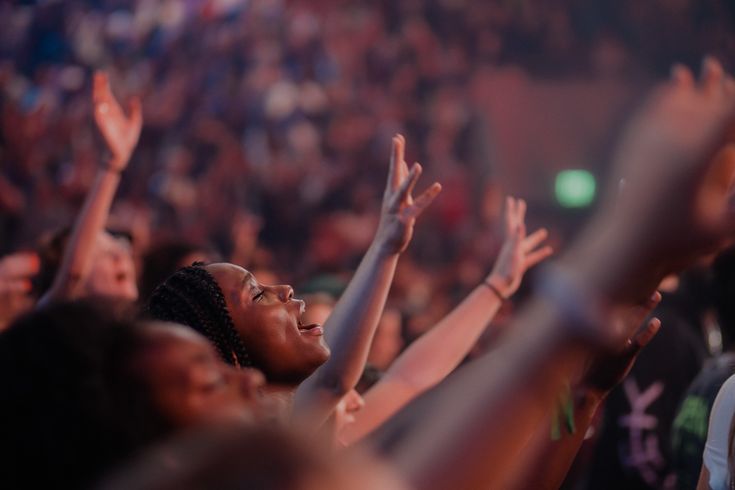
(268, 320)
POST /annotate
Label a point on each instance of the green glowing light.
(575, 188)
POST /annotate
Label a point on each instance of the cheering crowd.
(151, 344)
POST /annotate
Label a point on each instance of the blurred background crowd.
(274, 118)
(267, 128)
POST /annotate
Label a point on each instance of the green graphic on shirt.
(691, 420)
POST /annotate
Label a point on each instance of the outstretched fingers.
(15, 286)
(521, 214)
(423, 201)
(640, 311)
(135, 112)
(535, 239)
(712, 76)
(408, 192)
(105, 104)
(402, 194)
(395, 171)
(510, 216)
(100, 87)
(681, 76)
(19, 265)
(644, 336)
(537, 256)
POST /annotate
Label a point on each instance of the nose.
(285, 293)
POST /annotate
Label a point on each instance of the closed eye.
(258, 296)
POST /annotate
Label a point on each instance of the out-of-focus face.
(191, 385)
(268, 320)
(345, 411)
(112, 269)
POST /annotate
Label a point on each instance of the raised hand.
(400, 209)
(120, 132)
(519, 252)
(608, 369)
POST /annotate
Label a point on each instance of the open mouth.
(314, 329)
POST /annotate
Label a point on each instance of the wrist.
(111, 168)
(385, 244)
(494, 285)
(116, 164)
(384, 249)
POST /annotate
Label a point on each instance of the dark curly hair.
(162, 260)
(72, 403)
(192, 297)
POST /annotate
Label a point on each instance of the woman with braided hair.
(258, 325)
(181, 297)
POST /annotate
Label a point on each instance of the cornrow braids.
(192, 297)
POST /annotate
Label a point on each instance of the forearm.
(349, 332)
(439, 351)
(497, 404)
(425, 363)
(550, 460)
(89, 223)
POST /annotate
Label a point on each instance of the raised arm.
(438, 352)
(474, 426)
(120, 133)
(550, 460)
(350, 328)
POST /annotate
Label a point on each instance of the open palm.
(400, 209)
(519, 252)
(120, 132)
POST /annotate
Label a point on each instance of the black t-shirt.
(689, 432)
(633, 450)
